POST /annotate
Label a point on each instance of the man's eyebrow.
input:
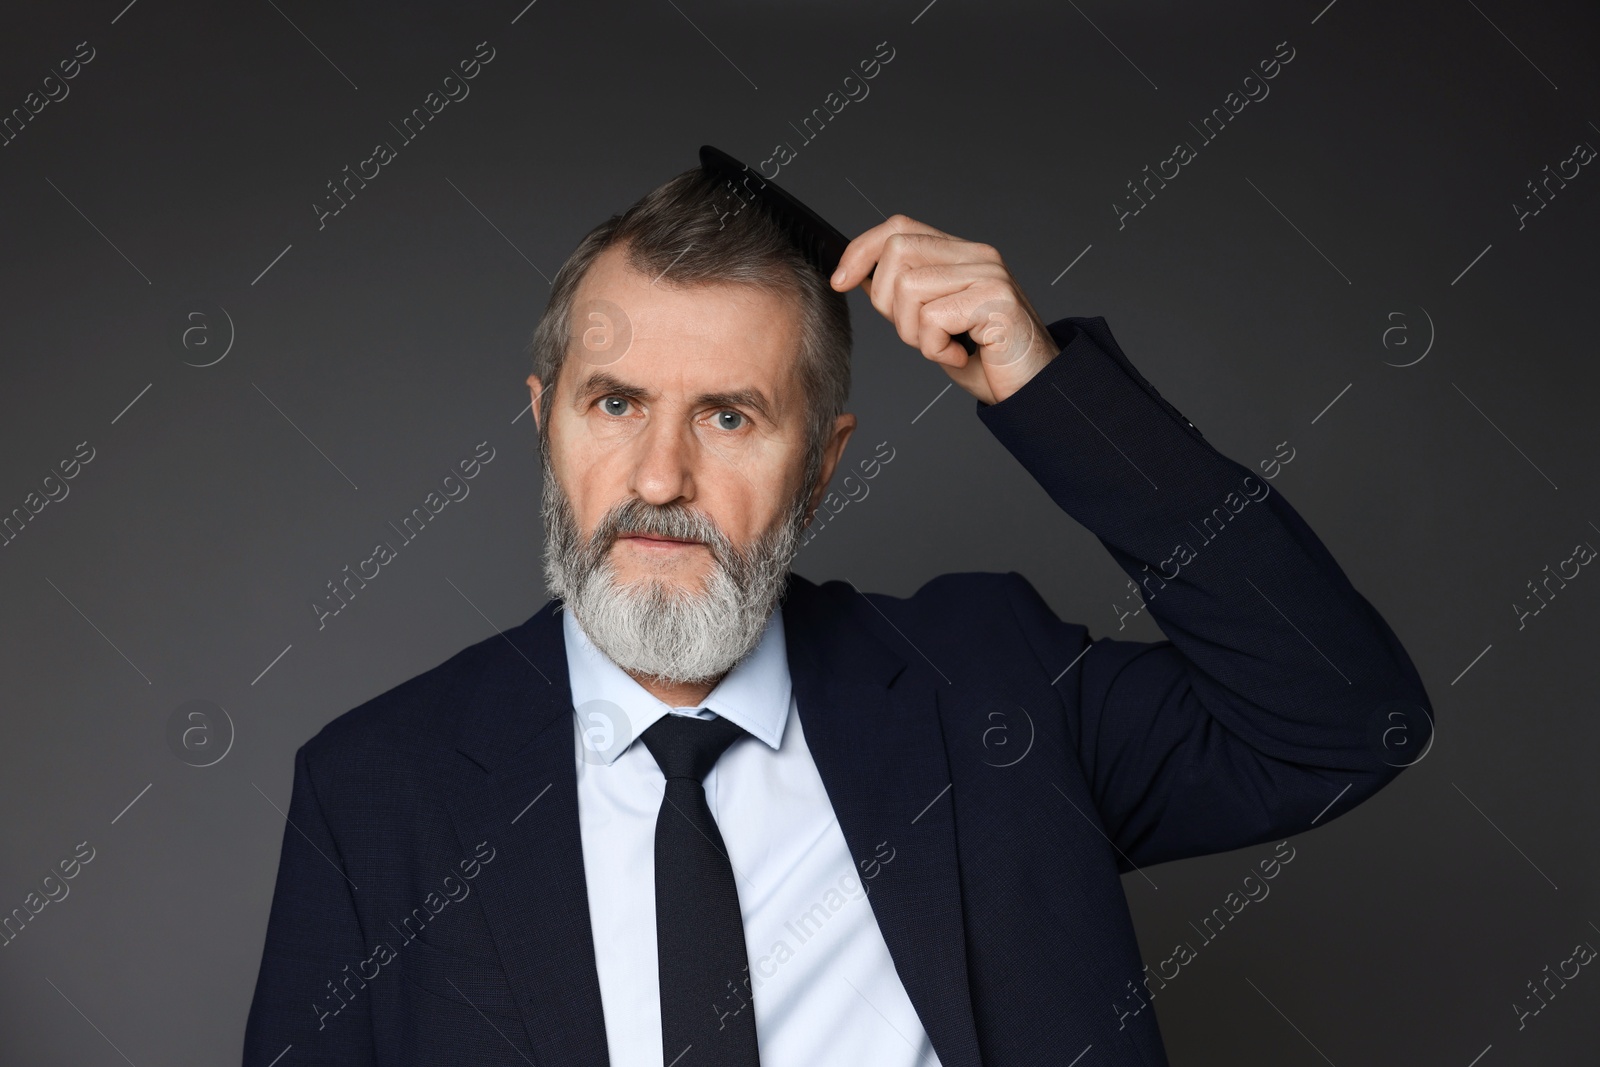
(734, 398)
(604, 383)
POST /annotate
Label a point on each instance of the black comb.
(821, 244)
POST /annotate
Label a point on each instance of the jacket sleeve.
(1280, 699)
(305, 994)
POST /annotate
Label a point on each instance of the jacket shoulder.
(419, 715)
(966, 624)
(976, 596)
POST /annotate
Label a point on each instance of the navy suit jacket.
(430, 905)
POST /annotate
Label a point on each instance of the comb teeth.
(820, 244)
(811, 246)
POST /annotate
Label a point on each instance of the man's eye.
(729, 420)
(614, 405)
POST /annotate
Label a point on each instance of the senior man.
(699, 810)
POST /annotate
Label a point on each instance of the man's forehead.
(657, 302)
(647, 333)
(664, 358)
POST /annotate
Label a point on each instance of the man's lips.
(653, 540)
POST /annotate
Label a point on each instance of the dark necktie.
(708, 1018)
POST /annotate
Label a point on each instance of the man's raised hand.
(933, 286)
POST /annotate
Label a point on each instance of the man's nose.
(663, 470)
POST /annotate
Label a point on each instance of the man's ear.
(535, 388)
(843, 427)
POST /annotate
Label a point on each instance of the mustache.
(635, 516)
(571, 559)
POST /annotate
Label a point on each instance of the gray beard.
(652, 626)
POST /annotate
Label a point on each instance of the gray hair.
(693, 231)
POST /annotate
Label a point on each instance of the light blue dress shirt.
(823, 985)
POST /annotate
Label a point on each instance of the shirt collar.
(754, 695)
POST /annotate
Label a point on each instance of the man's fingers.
(970, 311)
(939, 346)
(943, 294)
(903, 292)
(863, 253)
(933, 286)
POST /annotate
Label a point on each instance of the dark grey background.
(1252, 292)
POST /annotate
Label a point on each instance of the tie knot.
(686, 747)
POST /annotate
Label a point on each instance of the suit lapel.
(874, 731)
(517, 726)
